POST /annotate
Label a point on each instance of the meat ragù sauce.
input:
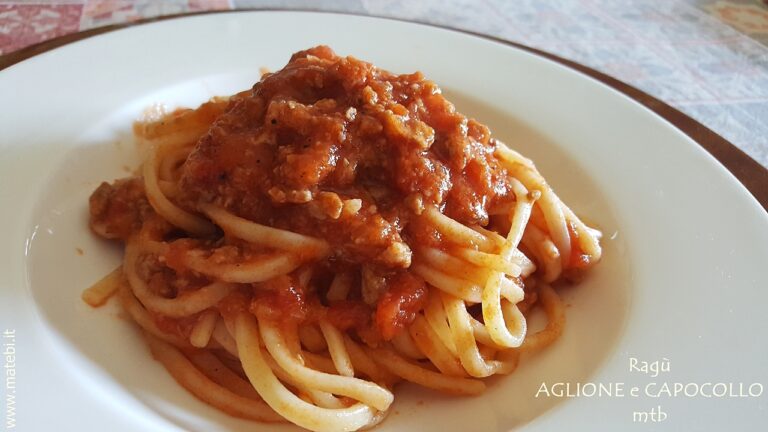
(334, 148)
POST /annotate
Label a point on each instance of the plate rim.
(751, 174)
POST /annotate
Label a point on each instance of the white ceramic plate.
(684, 276)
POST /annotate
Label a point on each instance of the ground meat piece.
(397, 308)
(118, 209)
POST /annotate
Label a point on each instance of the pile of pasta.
(254, 365)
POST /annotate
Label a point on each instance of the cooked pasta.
(294, 251)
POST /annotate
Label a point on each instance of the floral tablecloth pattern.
(708, 58)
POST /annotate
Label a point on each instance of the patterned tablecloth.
(708, 58)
